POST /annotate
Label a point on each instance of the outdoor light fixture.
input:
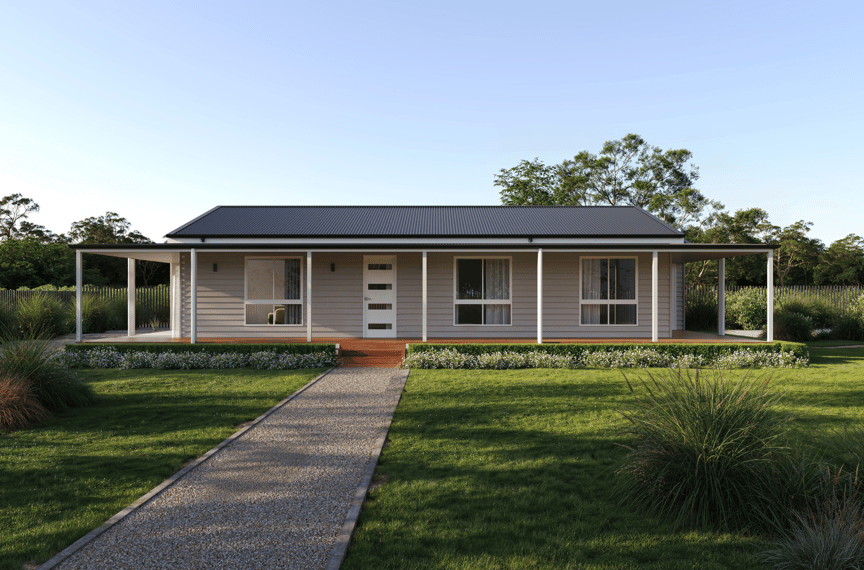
(214, 268)
(332, 267)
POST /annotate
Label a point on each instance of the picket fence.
(150, 301)
(840, 297)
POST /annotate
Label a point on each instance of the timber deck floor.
(389, 352)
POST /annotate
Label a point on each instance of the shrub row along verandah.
(689, 355)
(197, 356)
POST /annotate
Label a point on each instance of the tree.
(796, 249)
(100, 270)
(842, 263)
(529, 183)
(27, 262)
(108, 228)
(625, 172)
(14, 210)
(744, 226)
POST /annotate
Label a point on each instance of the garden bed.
(613, 355)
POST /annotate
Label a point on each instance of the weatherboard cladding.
(425, 221)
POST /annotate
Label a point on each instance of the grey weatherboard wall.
(337, 297)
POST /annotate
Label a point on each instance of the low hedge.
(707, 350)
(209, 348)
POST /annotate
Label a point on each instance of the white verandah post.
(130, 297)
(425, 291)
(540, 295)
(655, 296)
(721, 296)
(79, 286)
(193, 317)
(769, 333)
(309, 296)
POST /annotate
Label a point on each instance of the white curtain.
(593, 284)
(496, 314)
(594, 314)
(497, 279)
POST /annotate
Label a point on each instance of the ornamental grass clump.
(704, 445)
(19, 407)
(829, 534)
(41, 316)
(54, 384)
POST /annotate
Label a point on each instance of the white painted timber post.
(655, 296)
(193, 316)
(721, 296)
(176, 298)
(79, 293)
(425, 292)
(308, 296)
(130, 297)
(539, 296)
(770, 293)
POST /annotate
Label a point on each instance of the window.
(274, 293)
(482, 295)
(608, 291)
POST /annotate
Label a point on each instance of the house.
(427, 272)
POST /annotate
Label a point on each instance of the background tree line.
(32, 256)
(632, 172)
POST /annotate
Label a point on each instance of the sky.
(159, 111)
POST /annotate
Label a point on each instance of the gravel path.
(274, 498)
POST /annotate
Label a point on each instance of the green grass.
(834, 343)
(60, 480)
(515, 470)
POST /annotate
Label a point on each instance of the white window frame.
(609, 301)
(457, 301)
(274, 302)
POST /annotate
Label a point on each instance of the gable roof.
(425, 221)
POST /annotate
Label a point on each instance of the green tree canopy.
(107, 228)
(842, 262)
(625, 172)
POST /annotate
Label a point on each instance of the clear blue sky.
(161, 110)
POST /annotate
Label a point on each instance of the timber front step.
(371, 355)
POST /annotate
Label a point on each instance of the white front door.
(379, 296)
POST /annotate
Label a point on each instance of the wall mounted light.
(214, 268)
(332, 267)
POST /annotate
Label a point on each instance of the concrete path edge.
(90, 536)
(343, 539)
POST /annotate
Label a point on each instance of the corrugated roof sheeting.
(371, 221)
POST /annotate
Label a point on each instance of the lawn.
(60, 480)
(516, 469)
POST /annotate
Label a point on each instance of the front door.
(379, 296)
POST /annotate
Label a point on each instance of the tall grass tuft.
(42, 316)
(705, 444)
(793, 327)
(849, 327)
(8, 324)
(54, 385)
(821, 311)
(19, 407)
(829, 535)
(700, 310)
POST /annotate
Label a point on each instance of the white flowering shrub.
(269, 360)
(629, 358)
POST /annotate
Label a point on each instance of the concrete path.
(276, 497)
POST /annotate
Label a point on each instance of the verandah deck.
(390, 352)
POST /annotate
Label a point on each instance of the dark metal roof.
(425, 221)
(184, 247)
